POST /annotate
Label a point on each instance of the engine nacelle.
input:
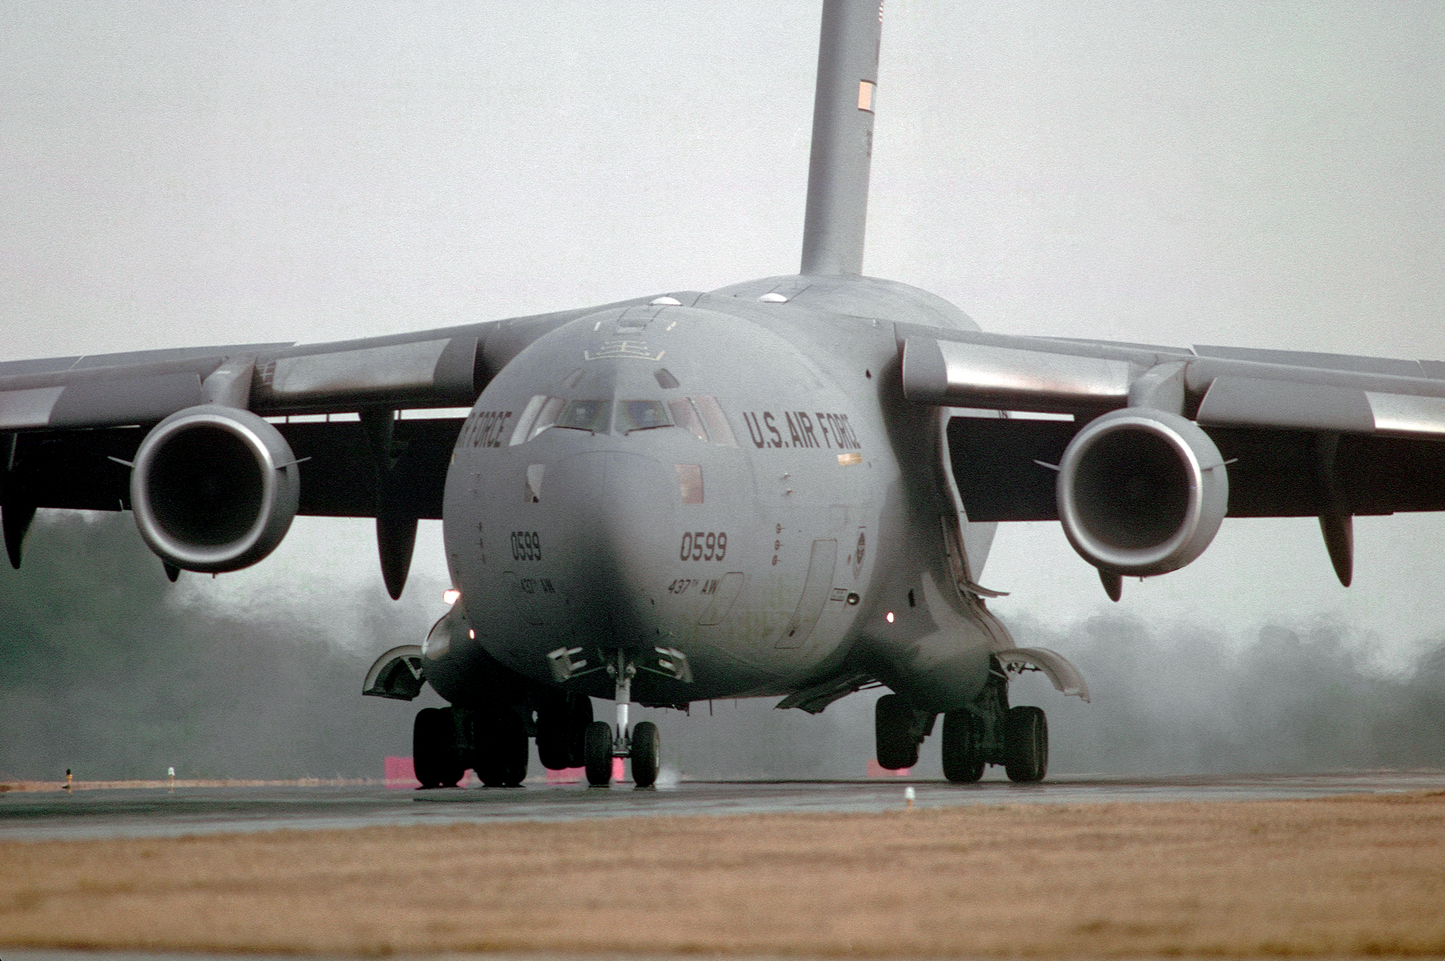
(1141, 492)
(214, 488)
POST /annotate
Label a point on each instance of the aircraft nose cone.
(614, 524)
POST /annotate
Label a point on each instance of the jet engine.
(1141, 492)
(214, 488)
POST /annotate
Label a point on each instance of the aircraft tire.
(963, 760)
(552, 746)
(646, 752)
(502, 758)
(554, 757)
(597, 748)
(1026, 744)
(433, 749)
(897, 747)
(579, 715)
(561, 730)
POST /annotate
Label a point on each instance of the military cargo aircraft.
(786, 487)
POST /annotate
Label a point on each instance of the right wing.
(73, 425)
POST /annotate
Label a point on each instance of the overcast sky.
(1250, 173)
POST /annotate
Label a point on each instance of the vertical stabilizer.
(842, 137)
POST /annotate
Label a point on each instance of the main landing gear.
(602, 743)
(448, 740)
(493, 739)
(435, 753)
(985, 732)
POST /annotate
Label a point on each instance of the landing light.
(450, 595)
(889, 617)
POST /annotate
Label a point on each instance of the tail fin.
(842, 137)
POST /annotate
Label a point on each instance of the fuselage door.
(815, 594)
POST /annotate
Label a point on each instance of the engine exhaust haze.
(105, 671)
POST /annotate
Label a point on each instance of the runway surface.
(151, 812)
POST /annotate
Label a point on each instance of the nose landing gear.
(643, 744)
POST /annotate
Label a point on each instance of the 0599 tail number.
(703, 546)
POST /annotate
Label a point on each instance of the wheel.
(893, 729)
(646, 749)
(579, 715)
(502, 750)
(597, 751)
(434, 749)
(561, 727)
(1026, 744)
(963, 761)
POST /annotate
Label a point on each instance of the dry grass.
(1346, 876)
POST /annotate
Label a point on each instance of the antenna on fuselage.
(842, 137)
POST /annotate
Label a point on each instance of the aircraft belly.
(942, 665)
(921, 636)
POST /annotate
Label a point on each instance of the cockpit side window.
(540, 413)
(523, 433)
(548, 415)
(685, 416)
(717, 423)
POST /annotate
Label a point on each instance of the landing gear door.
(971, 541)
(397, 674)
(967, 544)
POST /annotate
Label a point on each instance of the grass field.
(1340, 876)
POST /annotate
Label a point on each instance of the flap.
(1301, 358)
(438, 369)
(100, 403)
(1248, 402)
(1253, 402)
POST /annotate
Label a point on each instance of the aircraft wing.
(1299, 434)
(74, 424)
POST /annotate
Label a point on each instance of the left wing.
(1143, 449)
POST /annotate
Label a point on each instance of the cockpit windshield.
(699, 416)
(593, 415)
(641, 415)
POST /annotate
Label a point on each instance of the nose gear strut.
(602, 743)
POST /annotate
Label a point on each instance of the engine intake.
(1141, 492)
(214, 488)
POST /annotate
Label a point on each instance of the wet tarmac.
(151, 812)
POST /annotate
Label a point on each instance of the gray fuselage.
(732, 475)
